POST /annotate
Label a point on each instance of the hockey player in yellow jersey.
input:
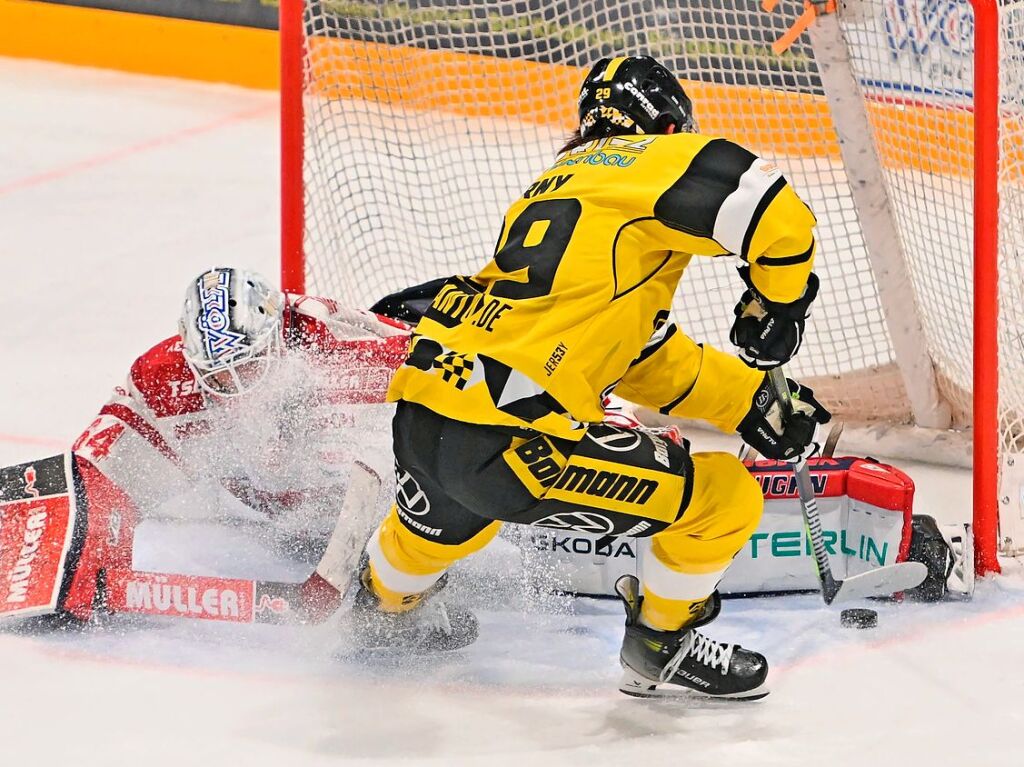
(500, 401)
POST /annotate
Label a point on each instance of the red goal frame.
(986, 240)
(293, 211)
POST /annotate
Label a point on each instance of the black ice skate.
(430, 626)
(685, 658)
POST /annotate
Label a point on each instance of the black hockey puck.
(858, 618)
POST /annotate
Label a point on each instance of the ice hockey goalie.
(313, 376)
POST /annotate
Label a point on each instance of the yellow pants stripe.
(390, 577)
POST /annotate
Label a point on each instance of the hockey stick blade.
(356, 521)
(881, 581)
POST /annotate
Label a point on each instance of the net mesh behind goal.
(426, 118)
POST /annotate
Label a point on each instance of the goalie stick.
(251, 601)
(881, 581)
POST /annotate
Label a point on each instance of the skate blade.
(641, 687)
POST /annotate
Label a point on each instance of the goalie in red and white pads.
(269, 395)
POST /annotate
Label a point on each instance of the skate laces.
(704, 650)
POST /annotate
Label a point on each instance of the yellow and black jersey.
(575, 301)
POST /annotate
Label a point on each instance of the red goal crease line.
(115, 155)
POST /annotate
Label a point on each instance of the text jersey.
(577, 296)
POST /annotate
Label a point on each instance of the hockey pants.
(457, 482)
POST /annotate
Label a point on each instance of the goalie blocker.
(867, 514)
(62, 526)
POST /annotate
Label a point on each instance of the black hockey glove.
(769, 333)
(789, 439)
(409, 305)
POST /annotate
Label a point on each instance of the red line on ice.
(23, 439)
(119, 154)
(921, 632)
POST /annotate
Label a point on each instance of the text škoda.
(584, 546)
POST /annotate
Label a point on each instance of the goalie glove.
(769, 333)
(781, 438)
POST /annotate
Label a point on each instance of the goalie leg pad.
(61, 524)
(948, 553)
(41, 532)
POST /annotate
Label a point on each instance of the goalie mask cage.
(408, 127)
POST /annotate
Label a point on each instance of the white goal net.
(424, 119)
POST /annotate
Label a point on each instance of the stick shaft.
(808, 501)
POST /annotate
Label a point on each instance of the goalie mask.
(230, 330)
(633, 95)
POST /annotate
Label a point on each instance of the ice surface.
(114, 191)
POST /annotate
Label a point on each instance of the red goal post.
(378, 192)
(293, 211)
(987, 136)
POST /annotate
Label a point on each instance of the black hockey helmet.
(632, 94)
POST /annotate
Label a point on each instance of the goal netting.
(424, 119)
